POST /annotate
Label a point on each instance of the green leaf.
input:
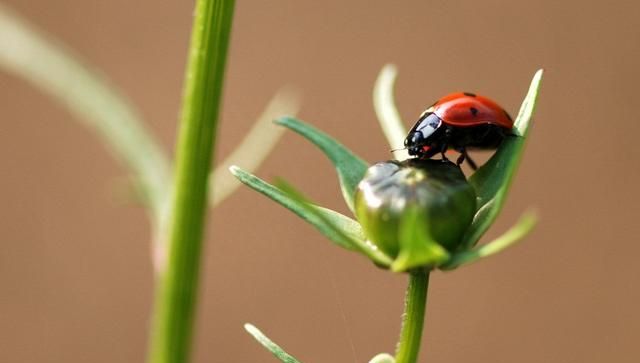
(387, 112)
(270, 345)
(493, 179)
(348, 226)
(509, 238)
(255, 146)
(350, 167)
(368, 249)
(417, 247)
(52, 68)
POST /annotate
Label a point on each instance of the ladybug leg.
(443, 149)
(460, 158)
(464, 156)
(448, 134)
(471, 163)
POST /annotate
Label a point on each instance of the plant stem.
(177, 284)
(413, 319)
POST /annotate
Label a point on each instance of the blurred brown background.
(74, 263)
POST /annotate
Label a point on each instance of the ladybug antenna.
(402, 148)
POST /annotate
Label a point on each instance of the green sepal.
(417, 247)
(509, 238)
(360, 244)
(350, 230)
(491, 181)
(274, 348)
(350, 167)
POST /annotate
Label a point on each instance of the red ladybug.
(459, 121)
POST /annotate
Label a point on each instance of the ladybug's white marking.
(429, 125)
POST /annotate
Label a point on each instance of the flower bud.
(393, 193)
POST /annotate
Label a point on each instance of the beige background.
(74, 267)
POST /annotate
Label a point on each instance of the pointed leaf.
(270, 345)
(388, 115)
(368, 249)
(493, 179)
(348, 226)
(509, 238)
(96, 104)
(417, 247)
(255, 146)
(350, 167)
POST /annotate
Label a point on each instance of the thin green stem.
(413, 319)
(177, 284)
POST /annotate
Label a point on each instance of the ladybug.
(459, 121)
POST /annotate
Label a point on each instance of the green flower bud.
(415, 207)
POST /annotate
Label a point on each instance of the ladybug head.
(414, 143)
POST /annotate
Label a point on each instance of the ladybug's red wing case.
(467, 109)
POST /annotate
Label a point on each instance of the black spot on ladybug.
(474, 111)
(507, 114)
(469, 94)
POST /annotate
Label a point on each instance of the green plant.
(178, 284)
(412, 247)
(175, 205)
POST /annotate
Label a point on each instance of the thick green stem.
(178, 281)
(413, 319)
